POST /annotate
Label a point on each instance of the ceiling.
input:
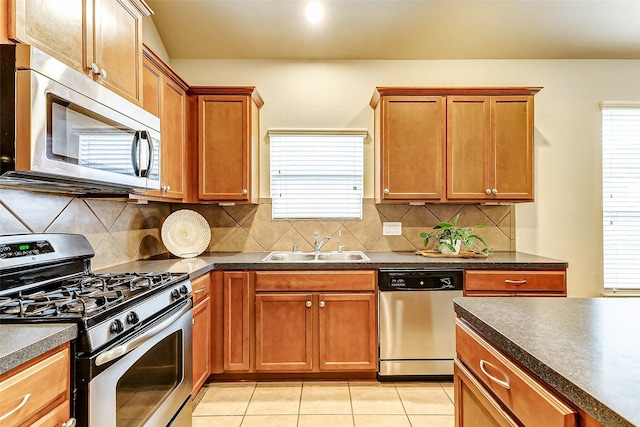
(400, 29)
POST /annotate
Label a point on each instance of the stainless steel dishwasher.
(417, 323)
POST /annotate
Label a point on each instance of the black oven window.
(143, 388)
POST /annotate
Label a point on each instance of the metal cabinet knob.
(103, 73)
(308, 303)
(386, 191)
(322, 304)
(488, 191)
(94, 68)
(70, 423)
(244, 191)
(494, 191)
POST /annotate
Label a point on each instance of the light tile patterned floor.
(334, 404)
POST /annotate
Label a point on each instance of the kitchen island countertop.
(21, 343)
(587, 349)
(253, 261)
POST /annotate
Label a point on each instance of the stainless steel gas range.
(132, 364)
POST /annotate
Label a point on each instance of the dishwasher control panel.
(416, 280)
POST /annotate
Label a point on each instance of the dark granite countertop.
(21, 343)
(588, 349)
(253, 261)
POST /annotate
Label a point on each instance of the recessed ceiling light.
(314, 13)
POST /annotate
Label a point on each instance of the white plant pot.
(445, 249)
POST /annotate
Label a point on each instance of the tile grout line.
(353, 415)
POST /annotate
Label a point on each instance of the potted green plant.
(450, 238)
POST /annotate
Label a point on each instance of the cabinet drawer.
(360, 280)
(515, 281)
(532, 404)
(46, 381)
(55, 418)
(201, 288)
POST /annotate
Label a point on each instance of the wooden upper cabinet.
(409, 145)
(165, 95)
(511, 158)
(100, 38)
(490, 148)
(228, 142)
(55, 27)
(468, 144)
(487, 132)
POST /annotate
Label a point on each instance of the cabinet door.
(474, 406)
(412, 148)
(201, 344)
(512, 147)
(164, 98)
(468, 139)
(56, 27)
(116, 46)
(284, 332)
(223, 138)
(348, 333)
(236, 321)
(173, 124)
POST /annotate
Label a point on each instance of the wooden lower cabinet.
(201, 333)
(284, 332)
(316, 321)
(515, 283)
(46, 379)
(492, 390)
(348, 332)
(236, 318)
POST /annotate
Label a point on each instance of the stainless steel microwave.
(62, 131)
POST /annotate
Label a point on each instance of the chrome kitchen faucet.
(318, 244)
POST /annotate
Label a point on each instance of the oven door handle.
(129, 346)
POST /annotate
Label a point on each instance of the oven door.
(150, 384)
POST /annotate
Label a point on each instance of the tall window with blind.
(316, 175)
(621, 196)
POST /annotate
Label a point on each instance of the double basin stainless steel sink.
(344, 256)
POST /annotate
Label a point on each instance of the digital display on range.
(17, 250)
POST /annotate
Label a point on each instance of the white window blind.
(621, 195)
(316, 174)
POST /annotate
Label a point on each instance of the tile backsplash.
(122, 231)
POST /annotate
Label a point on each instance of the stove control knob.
(132, 318)
(175, 294)
(184, 290)
(116, 327)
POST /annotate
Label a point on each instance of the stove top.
(83, 296)
(47, 278)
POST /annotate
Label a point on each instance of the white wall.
(565, 220)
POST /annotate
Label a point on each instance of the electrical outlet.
(392, 229)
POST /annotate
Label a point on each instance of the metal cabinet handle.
(25, 399)
(70, 423)
(501, 383)
(322, 304)
(386, 191)
(308, 304)
(494, 191)
(515, 282)
(244, 191)
(200, 290)
(488, 191)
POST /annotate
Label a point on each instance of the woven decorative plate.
(186, 233)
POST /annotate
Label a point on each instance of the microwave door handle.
(135, 156)
(145, 135)
(129, 346)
